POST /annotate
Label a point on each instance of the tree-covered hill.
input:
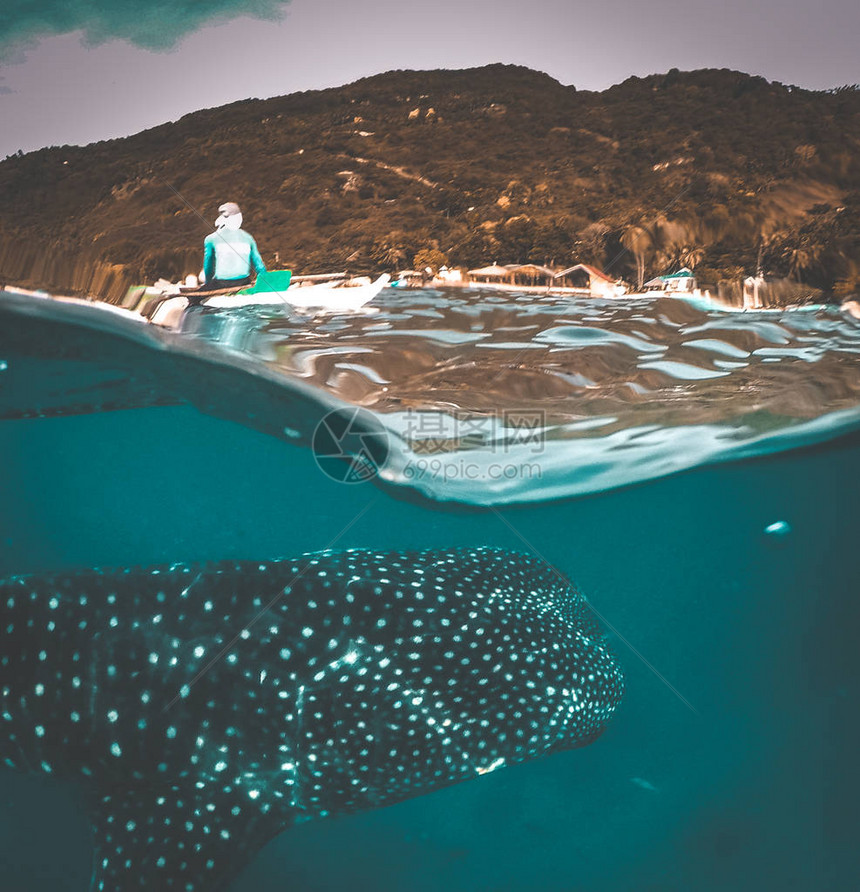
(712, 169)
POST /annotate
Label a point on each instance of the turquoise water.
(731, 763)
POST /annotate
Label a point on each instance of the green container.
(273, 280)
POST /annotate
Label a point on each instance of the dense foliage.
(713, 169)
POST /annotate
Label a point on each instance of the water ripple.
(565, 394)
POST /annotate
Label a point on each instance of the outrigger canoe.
(276, 287)
(330, 293)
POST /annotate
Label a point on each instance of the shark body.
(209, 707)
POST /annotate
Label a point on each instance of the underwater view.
(466, 591)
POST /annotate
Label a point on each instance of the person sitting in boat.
(229, 252)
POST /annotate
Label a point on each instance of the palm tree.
(673, 256)
(639, 241)
(690, 256)
(802, 259)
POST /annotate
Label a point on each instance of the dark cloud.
(151, 24)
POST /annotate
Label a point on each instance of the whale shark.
(205, 708)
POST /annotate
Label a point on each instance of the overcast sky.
(75, 71)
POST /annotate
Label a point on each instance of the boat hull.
(327, 297)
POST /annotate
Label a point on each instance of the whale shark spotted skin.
(209, 707)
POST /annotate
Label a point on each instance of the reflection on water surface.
(612, 391)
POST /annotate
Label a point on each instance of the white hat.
(231, 216)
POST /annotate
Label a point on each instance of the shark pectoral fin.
(176, 837)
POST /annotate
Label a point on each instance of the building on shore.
(589, 280)
(449, 276)
(410, 278)
(528, 275)
(760, 291)
(531, 275)
(682, 281)
(513, 276)
(579, 279)
(490, 275)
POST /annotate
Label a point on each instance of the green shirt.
(230, 254)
